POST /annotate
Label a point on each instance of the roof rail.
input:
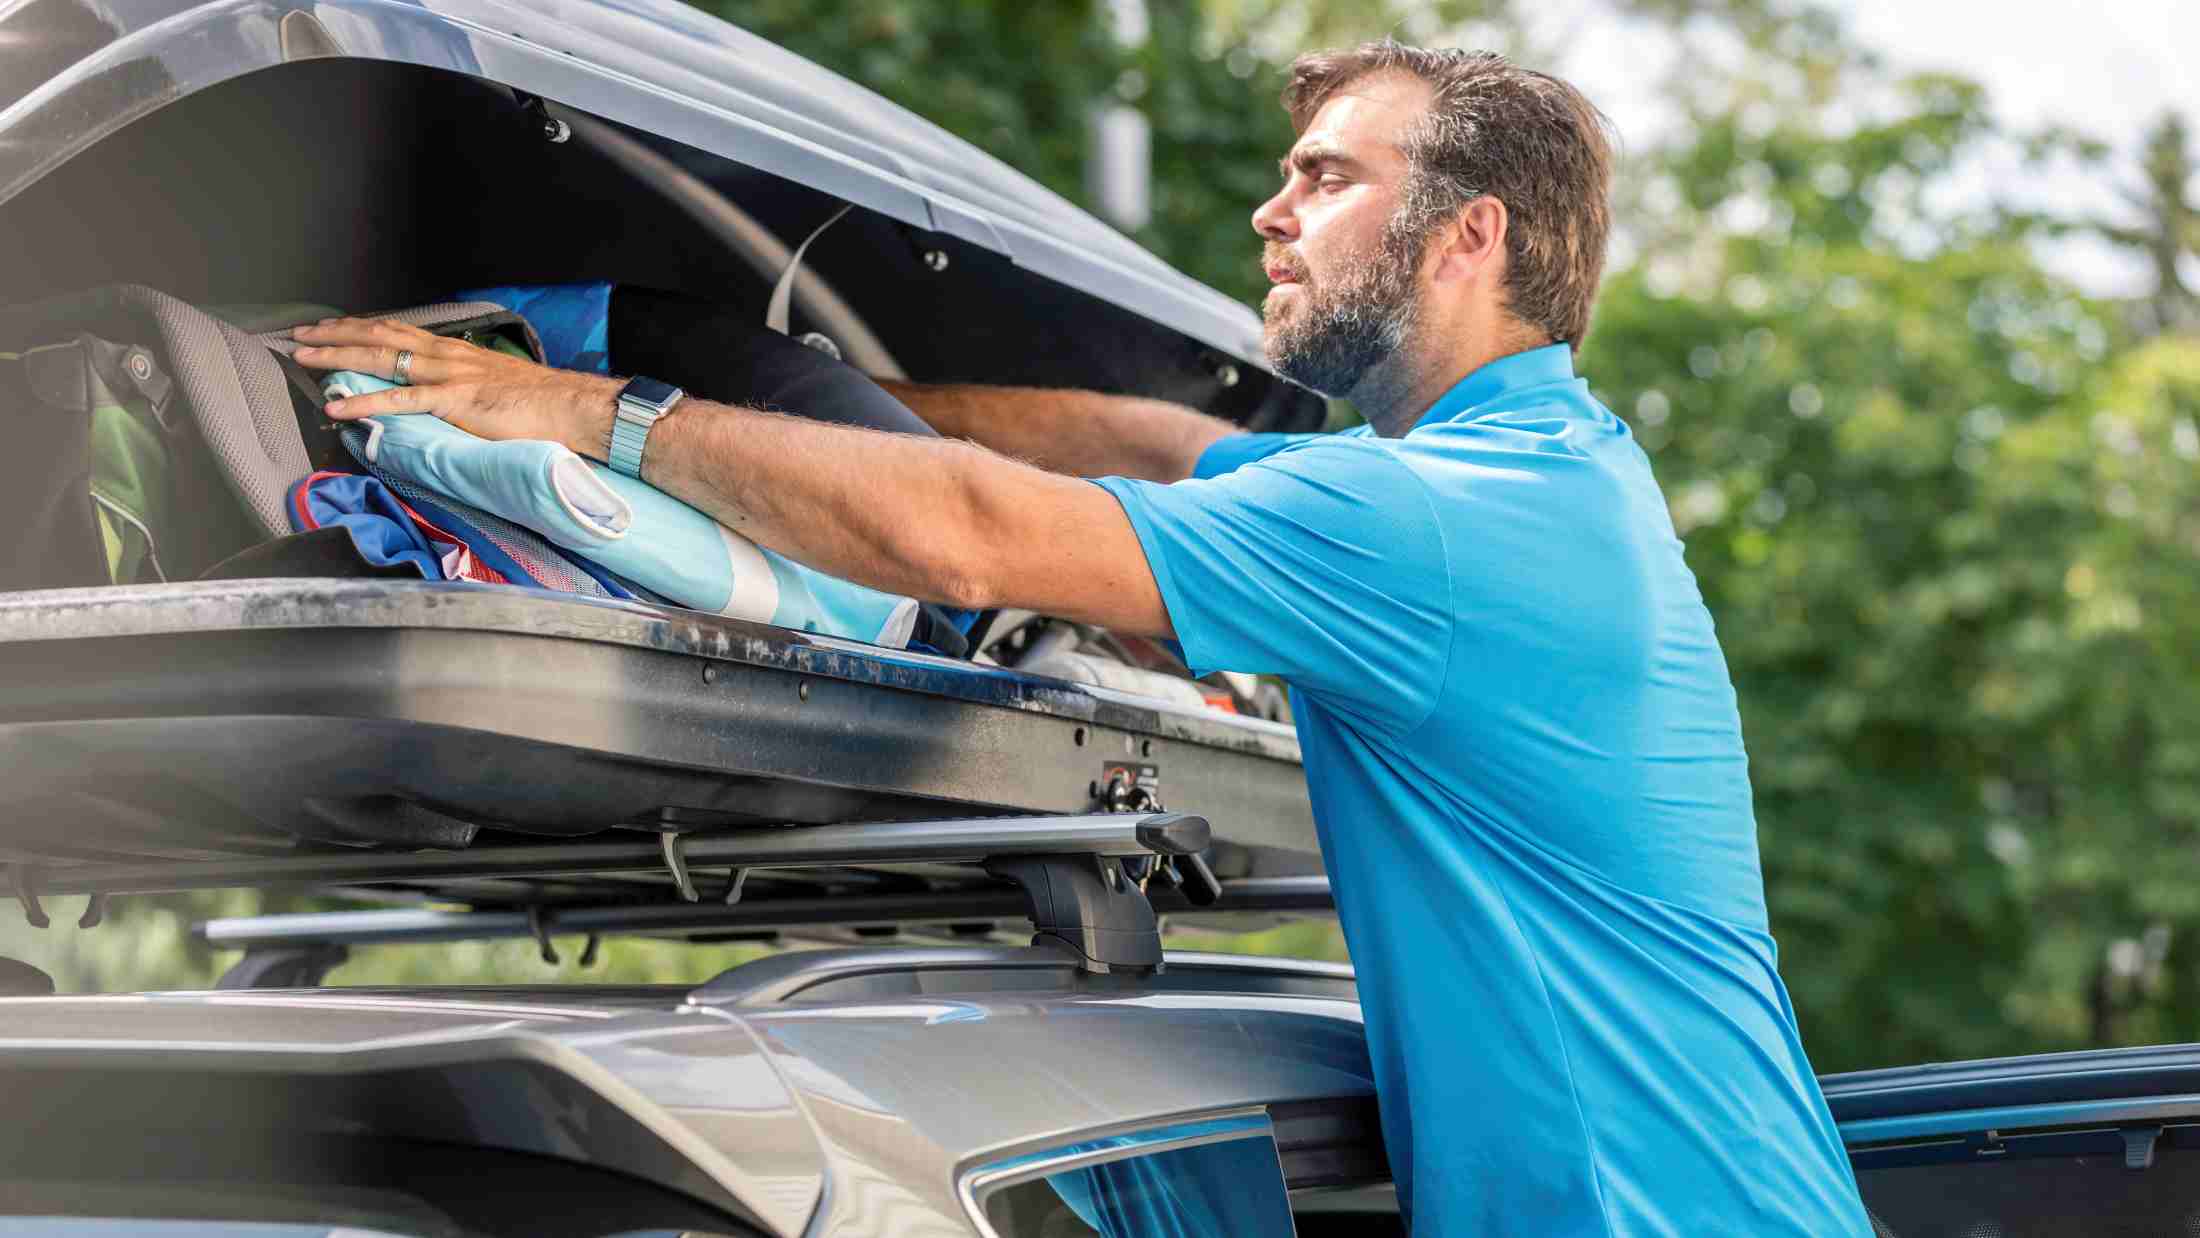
(874, 973)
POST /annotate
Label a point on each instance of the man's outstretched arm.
(943, 520)
(939, 519)
(1081, 433)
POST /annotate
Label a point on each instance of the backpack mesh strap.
(237, 397)
(434, 315)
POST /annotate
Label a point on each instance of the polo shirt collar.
(1552, 363)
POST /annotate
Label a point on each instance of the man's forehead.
(1362, 122)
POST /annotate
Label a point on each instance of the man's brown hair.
(1495, 129)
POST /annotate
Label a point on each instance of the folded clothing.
(384, 532)
(621, 523)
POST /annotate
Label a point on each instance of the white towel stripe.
(755, 591)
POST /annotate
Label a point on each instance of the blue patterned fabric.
(572, 320)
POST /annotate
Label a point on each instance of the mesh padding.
(236, 394)
(2039, 1197)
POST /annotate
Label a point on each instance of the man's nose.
(1274, 219)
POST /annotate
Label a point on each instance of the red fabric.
(469, 568)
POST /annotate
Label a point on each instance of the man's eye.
(1331, 184)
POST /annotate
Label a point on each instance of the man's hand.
(484, 392)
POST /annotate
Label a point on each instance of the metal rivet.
(1079, 737)
(803, 690)
(1145, 748)
(935, 260)
(1227, 375)
(555, 130)
(710, 673)
(141, 366)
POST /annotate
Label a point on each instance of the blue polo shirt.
(1528, 777)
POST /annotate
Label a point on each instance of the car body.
(824, 1092)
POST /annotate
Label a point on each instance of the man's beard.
(1362, 313)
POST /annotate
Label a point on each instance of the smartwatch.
(641, 402)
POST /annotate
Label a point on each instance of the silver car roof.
(74, 71)
(827, 1117)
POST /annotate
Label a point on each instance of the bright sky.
(2106, 67)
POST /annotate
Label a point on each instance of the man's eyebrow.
(1309, 159)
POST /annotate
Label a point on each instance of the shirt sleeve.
(1323, 564)
(1232, 452)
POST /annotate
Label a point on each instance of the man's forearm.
(942, 520)
(1080, 433)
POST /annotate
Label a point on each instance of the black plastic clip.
(538, 924)
(676, 863)
(26, 893)
(1188, 874)
(2139, 1142)
(588, 951)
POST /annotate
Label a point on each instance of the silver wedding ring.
(401, 373)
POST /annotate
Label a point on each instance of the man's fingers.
(378, 361)
(374, 333)
(377, 330)
(376, 403)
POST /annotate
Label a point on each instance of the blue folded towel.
(624, 524)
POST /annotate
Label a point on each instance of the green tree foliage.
(1944, 517)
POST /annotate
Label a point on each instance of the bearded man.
(1519, 731)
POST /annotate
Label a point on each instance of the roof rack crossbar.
(421, 926)
(872, 842)
(418, 926)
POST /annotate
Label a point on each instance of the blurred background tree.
(1941, 502)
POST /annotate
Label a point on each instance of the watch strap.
(640, 404)
(629, 436)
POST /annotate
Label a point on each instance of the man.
(1519, 732)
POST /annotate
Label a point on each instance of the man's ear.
(1473, 245)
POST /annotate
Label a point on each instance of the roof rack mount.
(1081, 879)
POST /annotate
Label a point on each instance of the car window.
(1227, 1185)
(1366, 1211)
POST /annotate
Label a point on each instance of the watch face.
(648, 391)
